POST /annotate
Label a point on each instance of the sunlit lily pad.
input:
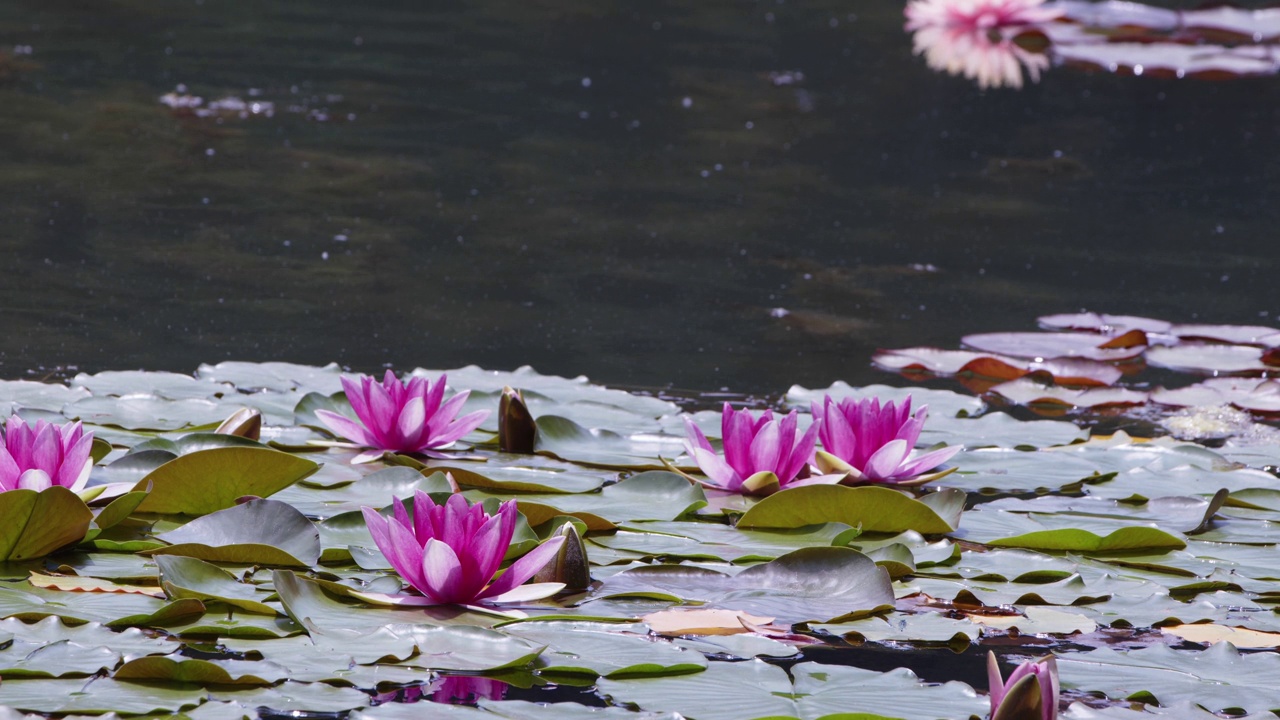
(34, 524)
(874, 509)
(810, 584)
(256, 532)
(211, 480)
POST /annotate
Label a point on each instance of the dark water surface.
(619, 189)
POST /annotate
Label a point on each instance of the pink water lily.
(451, 552)
(409, 417)
(35, 458)
(869, 442)
(1017, 698)
(761, 455)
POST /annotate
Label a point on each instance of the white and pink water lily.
(408, 417)
(761, 455)
(867, 442)
(39, 457)
(450, 553)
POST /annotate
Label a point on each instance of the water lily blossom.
(39, 457)
(869, 442)
(451, 552)
(1030, 693)
(410, 417)
(761, 455)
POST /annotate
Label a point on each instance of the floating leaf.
(210, 480)
(874, 509)
(34, 524)
(187, 577)
(264, 532)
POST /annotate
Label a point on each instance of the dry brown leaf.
(76, 583)
(703, 622)
(1209, 633)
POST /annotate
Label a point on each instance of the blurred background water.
(703, 194)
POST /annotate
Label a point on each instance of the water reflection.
(975, 38)
(448, 689)
(993, 41)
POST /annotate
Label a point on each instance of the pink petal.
(765, 450)
(345, 427)
(883, 463)
(356, 394)
(9, 471)
(412, 424)
(434, 394)
(928, 461)
(34, 479)
(46, 451)
(422, 525)
(442, 572)
(736, 439)
(460, 428)
(801, 453)
(717, 470)
(524, 568)
(696, 438)
(400, 548)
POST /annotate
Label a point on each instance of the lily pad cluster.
(1109, 363)
(224, 575)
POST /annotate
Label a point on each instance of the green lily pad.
(598, 649)
(187, 577)
(201, 672)
(807, 584)
(567, 440)
(34, 524)
(874, 509)
(264, 532)
(61, 658)
(653, 495)
(210, 480)
(1218, 679)
(98, 696)
(1067, 539)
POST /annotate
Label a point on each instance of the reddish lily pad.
(1024, 391)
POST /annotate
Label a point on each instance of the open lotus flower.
(867, 442)
(450, 552)
(1030, 693)
(402, 417)
(761, 455)
(44, 456)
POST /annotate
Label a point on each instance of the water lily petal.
(524, 568)
(928, 461)
(442, 572)
(34, 479)
(765, 449)
(344, 427)
(883, 463)
(403, 553)
(717, 470)
(9, 471)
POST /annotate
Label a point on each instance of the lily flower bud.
(516, 427)
(569, 566)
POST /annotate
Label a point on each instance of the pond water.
(704, 194)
